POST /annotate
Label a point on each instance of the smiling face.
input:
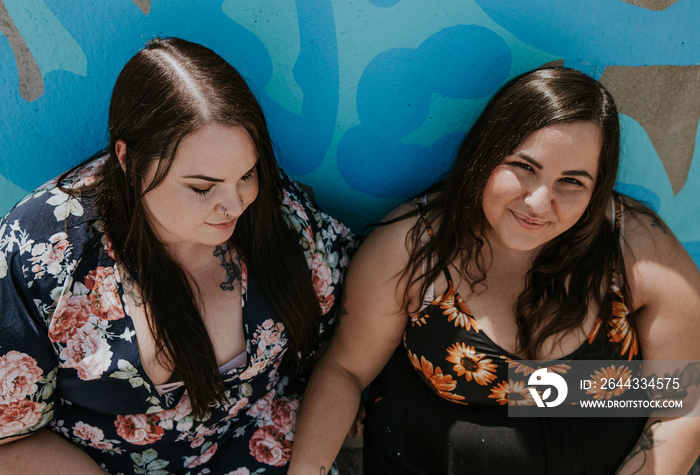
(543, 187)
(214, 168)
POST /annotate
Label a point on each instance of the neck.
(192, 256)
(508, 261)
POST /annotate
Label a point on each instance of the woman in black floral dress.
(160, 302)
(525, 253)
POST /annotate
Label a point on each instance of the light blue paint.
(643, 177)
(603, 32)
(10, 193)
(335, 78)
(686, 216)
(277, 27)
(394, 98)
(52, 46)
(302, 140)
(640, 165)
(447, 115)
(384, 3)
(693, 249)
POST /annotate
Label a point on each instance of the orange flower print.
(456, 310)
(594, 331)
(471, 365)
(419, 319)
(520, 367)
(442, 384)
(621, 330)
(619, 375)
(512, 393)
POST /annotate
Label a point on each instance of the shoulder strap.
(420, 204)
(619, 229)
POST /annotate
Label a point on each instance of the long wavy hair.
(573, 271)
(168, 90)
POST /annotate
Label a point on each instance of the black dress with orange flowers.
(440, 404)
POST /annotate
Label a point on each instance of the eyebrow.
(205, 178)
(538, 165)
(216, 180)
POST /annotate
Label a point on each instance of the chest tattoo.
(232, 265)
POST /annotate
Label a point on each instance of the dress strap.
(618, 220)
(420, 204)
(619, 229)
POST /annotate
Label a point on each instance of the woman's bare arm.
(44, 452)
(368, 333)
(665, 285)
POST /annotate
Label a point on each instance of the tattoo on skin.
(232, 265)
(688, 376)
(645, 443)
(129, 286)
(323, 471)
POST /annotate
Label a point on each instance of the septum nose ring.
(225, 212)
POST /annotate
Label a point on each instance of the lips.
(223, 226)
(528, 221)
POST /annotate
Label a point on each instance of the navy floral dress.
(69, 359)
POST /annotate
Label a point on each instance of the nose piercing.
(225, 212)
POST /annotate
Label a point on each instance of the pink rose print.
(284, 414)
(18, 376)
(87, 352)
(262, 409)
(204, 458)
(326, 304)
(139, 429)
(87, 432)
(93, 436)
(17, 416)
(48, 257)
(244, 277)
(310, 238)
(179, 412)
(295, 205)
(322, 277)
(104, 297)
(201, 433)
(254, 370)
(234, 409)
(240, 471)
(71, 313)
(269, 448)
(269, 335)
(109, 247)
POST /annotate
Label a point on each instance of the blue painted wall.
(366, 99)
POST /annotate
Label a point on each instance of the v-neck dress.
(440, 405)
(69, 357)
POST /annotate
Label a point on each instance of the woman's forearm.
(327, 412)
(668, 447)
(45, 452)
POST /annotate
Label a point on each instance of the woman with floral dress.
(162, 302)
(525, 252)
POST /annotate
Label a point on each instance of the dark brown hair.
(168, 90)
(572, 271)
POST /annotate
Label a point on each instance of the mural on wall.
(367, 99)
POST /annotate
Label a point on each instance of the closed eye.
(200, 191)
(249, 175)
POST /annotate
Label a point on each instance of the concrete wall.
(366, 99)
